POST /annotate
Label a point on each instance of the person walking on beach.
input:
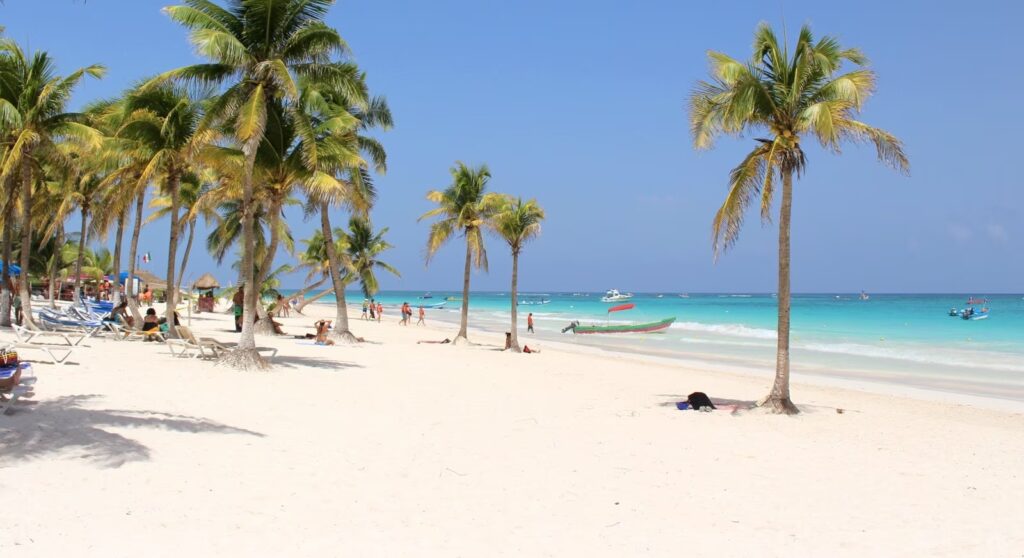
(380, 312)
(423, 315)
(366, 304)
(529, 322)
(373, 310)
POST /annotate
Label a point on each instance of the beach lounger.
(155, 334)
(214, 346)
(192, 346)
(55, 321)
(22, 389)
(57, 354)
(42, 336)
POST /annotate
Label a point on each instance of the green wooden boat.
(624, 328)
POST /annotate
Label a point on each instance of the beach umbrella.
(15, 269)
(206, 282)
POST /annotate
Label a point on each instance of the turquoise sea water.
(895, 338)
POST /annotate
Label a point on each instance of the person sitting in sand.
(323, 327)
(150, 322)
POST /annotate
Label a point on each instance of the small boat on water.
(864, 296)
(954, 312)
(426, 295)
(615, 296)
(972, 300)
(534, 301)
(646, 327)
(434, 305)
(971, 314)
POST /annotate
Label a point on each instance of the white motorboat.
(615, 296)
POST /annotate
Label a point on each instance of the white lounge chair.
(207, 344)
(192, 346)
(51, 351)
(25, 335)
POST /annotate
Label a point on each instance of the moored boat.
(647, 327)
(615, 296)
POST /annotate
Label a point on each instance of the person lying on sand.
(435, 342)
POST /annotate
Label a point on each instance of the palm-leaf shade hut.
(206, 282)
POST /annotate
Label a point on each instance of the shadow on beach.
(294, 361)
(63, 425)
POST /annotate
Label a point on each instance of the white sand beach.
(393, 448)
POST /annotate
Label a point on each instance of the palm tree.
(195, 200)
(464, 207)
(342, 121)
(33, 102)
(258, 50)
(165, 120)
(362, 248)
(789, 96)
(518, 222)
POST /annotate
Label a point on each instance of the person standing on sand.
(380, 312)
(373, 310)
(529, 322)
(366, 304)
(423, 315)
(237, 302)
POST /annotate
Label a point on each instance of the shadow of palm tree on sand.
(64, 426)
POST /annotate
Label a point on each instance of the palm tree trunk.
(245, 356)
(5, 289)
(515, 302)
(778, 400)
(184, 257)
(464, 320)
(24, 286)
(116, 271)
(133, 249)
(55, 262)
(341, 331)
(171, 295)
(77, 297)
(266, 326)
(302, 292)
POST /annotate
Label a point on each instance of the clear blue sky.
(581, 104)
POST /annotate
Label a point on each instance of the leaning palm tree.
(258, 50)
(464, 207)
(789, 95)
(518, 222)
(33, 103)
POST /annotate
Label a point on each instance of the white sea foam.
(947, 357)
(735, 330)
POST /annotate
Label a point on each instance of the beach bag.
(698, 400)
(8, 358)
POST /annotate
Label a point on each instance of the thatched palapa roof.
(207, 281)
